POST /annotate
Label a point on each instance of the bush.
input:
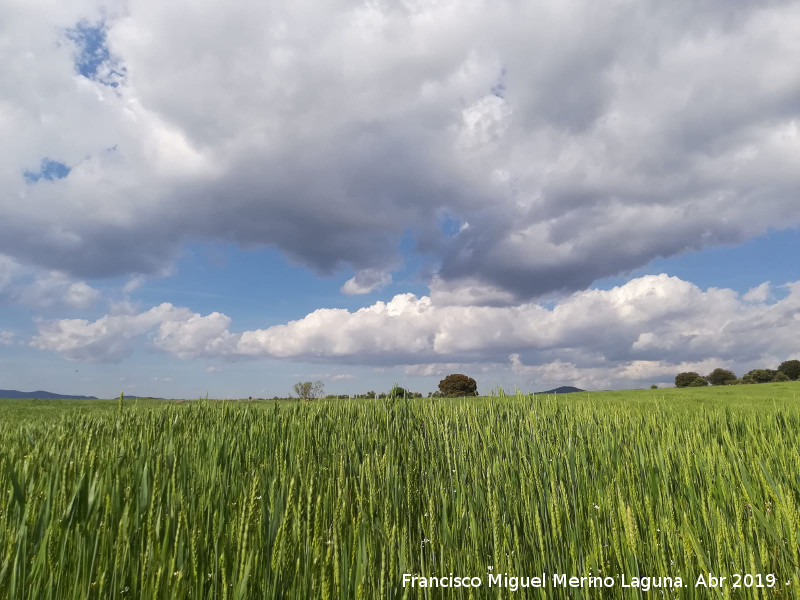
(791, 368)
(457, 385)
(720, 376)
(732, 382)
(781, 376)
(398, 392)
(699, 382)
(759, 376)
(685, 379)
(654, 387)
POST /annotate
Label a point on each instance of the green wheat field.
(341, 498)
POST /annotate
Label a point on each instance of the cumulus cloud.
(195, 335)
(6, 338)
(112, 337)
(760, 293)
(649, 318)
(56, 289)
(330, 132)
(366, 281)
(647, 328)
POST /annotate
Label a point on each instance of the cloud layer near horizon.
(647, 329)
(529, 148)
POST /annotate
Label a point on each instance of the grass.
(338, 499)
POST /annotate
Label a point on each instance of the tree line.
(454, 385)
(788, 370)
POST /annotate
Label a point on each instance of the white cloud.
(441, 369)
(110, 338)
(189, 337)
(366, 281)
(38, 289)
(56, 289)
(642, 330)
(432, 369)
(759, 293)
(133, 284)
(401, 325)
(331, 132)
(326, 376)
(343, 377)
(6, 338)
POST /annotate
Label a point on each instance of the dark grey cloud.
(571, 141)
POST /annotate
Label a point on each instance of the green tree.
(759, 376)
(791, 368)
(457, 385)
(308, 390)
(686, 378)
(698, 382)
(720, 376)
(781, 376)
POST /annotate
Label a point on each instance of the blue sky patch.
(49, 170)
(768, 257)
(94, 60)
(449, 225)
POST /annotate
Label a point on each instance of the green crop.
(339, 499)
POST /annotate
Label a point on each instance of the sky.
(229, 198)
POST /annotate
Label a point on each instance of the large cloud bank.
(645, 329)
(529, 147)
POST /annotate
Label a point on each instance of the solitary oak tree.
(457, 385)
(308, 390)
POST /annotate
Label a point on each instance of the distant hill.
(564, 389)
(41, 394)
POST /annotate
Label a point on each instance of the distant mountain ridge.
(564, 389)
(43, 395)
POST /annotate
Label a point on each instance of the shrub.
(720, 376)
(781, 376)
(398, 392)
(456, 385)
(791, 368)
(684, 379)
(654, 387)
(698, 382)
